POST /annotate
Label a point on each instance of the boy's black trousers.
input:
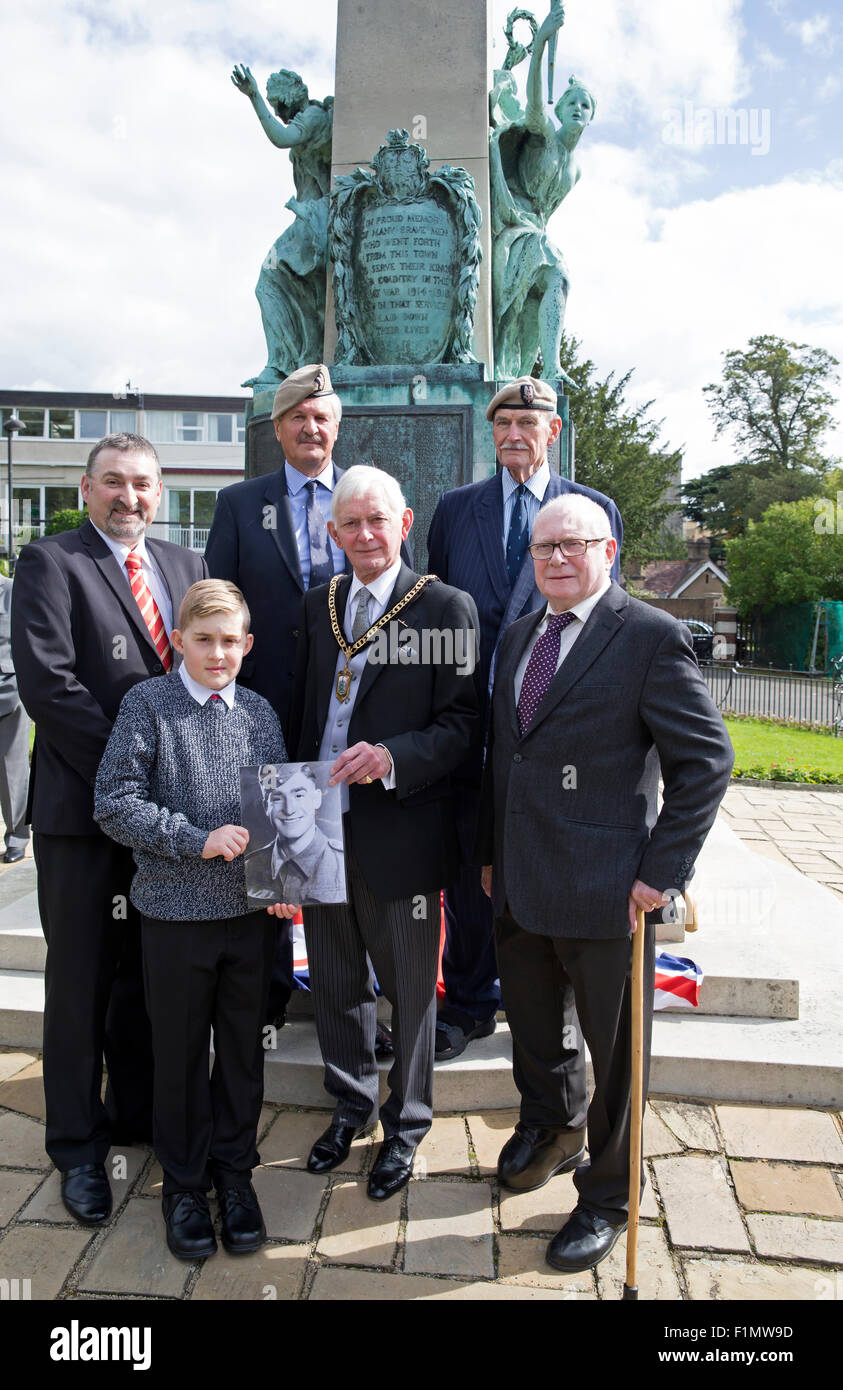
(200, 976)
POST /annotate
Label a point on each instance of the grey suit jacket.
(570, 814)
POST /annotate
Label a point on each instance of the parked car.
(702, 638)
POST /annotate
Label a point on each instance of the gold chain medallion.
(346, 676)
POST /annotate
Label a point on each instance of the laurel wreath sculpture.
(458, 185)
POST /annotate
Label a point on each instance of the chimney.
(699, 549)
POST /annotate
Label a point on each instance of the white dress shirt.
(567, 637)
(154, 579)
(202, 694)
(335, 736)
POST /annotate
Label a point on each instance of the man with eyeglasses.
(592, 695)
(478, 542)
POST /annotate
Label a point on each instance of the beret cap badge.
(528, 394)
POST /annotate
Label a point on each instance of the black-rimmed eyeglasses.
(542, 550)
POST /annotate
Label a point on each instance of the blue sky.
(142, 195)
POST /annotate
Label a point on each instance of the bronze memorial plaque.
(406, 254)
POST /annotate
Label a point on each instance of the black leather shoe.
(243, 1229)
(383, 1041)
(584, 1241)
(12, 856)
(455, 1030)
(393, 1168)
(190, 1231)
(332, 1148)
(533, 1156)
(86, 1193)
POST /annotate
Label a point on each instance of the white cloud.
(813, 32)
(667, 290)
(642, 56)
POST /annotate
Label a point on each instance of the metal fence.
(794, 696)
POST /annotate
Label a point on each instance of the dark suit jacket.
(569, 815)
(426, 715)
(465, 548)
(79, 643)
(252, 543)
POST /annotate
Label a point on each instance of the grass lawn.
(760, 744)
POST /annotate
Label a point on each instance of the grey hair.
(362, 479)
(574, 506)
(125, 444)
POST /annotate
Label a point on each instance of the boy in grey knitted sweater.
(168, 785)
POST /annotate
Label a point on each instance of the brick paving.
(742, 1202)
(801, 828)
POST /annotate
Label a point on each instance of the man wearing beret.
(270, 537)
(478, 542)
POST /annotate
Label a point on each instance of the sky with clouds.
(141, 195)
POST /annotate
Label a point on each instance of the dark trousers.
(548, 984)
(282, 983)
(94, 1001)
(199, 976)
(469, 967)
(401, 938)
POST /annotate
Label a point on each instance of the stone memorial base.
(426, 426)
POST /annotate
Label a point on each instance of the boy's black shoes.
(86, 1193)
(243, 1228)
(190, 1231)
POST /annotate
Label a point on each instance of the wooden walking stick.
(636, 1007)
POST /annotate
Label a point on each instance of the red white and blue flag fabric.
(678, 982)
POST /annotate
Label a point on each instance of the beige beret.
(311, 380)
(525, 393)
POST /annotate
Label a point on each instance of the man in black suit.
(391, 702)
(92, 611)
(478, 541)
(592, 694)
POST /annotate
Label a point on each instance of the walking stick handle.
(636, 1009)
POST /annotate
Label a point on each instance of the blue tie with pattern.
(519, 536)
(321, 563)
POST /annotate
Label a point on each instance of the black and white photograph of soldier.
(294, 820)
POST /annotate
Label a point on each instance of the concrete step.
(701, 1059)
(732, 986)
(769, 936)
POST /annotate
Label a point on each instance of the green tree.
(618, 452)
(794, 554)
(66, 520)
(775, 401)
(725, 499)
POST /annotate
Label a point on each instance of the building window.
(93, 424)
(241, 429)
(31, 419)
(122, 421)
(220, 429)
(62, 424)
(190, 427)
(60, 499)
(159, 426)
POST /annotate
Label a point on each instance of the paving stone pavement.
(801, 828)
(742, 1202)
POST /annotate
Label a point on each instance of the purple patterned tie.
(541, 668)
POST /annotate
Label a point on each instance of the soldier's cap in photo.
(525, 393)
(304, 383)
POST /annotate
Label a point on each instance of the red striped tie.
(149, 609)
